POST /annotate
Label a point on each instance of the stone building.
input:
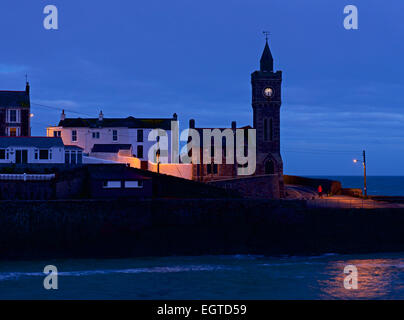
(266, 102)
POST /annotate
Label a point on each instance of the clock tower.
(266, 104)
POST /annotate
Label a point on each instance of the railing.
(27, 177)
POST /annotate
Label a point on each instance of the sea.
(376, 185)
(379, 275)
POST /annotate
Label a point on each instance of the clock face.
(268, 92)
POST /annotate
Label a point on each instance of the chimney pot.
(192, 124)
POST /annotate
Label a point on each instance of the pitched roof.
(115, 171)
(110, 148)
(129, 122)
(38, 142)
(14, 99)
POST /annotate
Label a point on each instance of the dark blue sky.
(342, 90)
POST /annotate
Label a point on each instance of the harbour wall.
(129, 228)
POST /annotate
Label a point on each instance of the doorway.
(21, 156)
(269, 167)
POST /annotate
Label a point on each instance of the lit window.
(112, 184)
(12, 132)
(134, 184)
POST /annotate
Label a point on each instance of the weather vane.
(266, 33)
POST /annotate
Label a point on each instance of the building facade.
(88, 132)
(266, 103)
(38, 150)
(15, 113)
(205, 171)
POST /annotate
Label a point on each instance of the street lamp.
(365, 191)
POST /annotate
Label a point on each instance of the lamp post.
(158, 154)
(365, 189)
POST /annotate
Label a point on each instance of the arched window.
(269, 167)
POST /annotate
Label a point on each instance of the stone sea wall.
(124, 228)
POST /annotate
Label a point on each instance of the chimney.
(175, 116)
(100, 116)
(62, 116)
(233, 125)
(192, 124)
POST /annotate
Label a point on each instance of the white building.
(87, 132)
(38, 150)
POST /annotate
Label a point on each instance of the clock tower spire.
(266, 104)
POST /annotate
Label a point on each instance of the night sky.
(343, 91)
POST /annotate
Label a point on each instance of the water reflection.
(377, 279)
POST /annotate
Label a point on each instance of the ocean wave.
(81, 273)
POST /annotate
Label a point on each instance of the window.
(140, 136)
(79, 157)
(96, 135)
(265, 129)
(134, 184)
(73, 159)
(111, 184)
(271, 130)
(12, 115)
(115, 135)
(12, 132)
(36, 154)
(140, 151)
(74, 135)
(57, 134)
(43, 154)
(67, 157)
(2, 154)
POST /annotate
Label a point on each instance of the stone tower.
(266, 104)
